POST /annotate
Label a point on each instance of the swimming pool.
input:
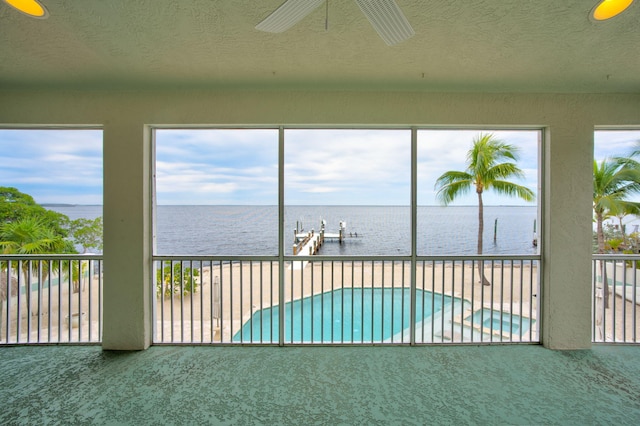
(350, 315)
(501, 322)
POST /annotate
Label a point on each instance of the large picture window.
(51, 228)
(616, 235)
(307, 235)
(217, 191)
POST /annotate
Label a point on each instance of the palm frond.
(513, 190)
(614, 180)
(490, 162)
(503, 171)
(452, 184)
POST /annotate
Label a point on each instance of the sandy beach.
(53, 313)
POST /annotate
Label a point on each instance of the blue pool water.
(346, 315)
(505, 321)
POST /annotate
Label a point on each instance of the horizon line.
(294, 205)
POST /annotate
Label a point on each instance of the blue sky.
(53, 166)
(322, 166)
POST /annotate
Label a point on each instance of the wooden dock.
(306, 244)
(309, 243)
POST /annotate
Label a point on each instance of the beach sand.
(54, 314)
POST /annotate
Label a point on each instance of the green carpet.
(323, 385)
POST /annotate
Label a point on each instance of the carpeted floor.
(320, 385)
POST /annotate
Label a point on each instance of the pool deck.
(523, 384)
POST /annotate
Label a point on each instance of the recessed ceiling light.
(31, 8)
(607, 9)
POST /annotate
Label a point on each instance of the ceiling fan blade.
(387, 19)
(287, 15)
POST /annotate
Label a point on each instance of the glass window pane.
(619, 228)
(216, 191)
(358, 177)
(509, 221)
(58, 170)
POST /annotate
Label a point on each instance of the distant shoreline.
(69, 205)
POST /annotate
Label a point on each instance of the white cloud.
(609, 143)
(320, 189)
(229, 166)
(348, 166)
(54, 166)
(440, 151)
(216, 166)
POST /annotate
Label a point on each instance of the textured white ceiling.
(462, 45)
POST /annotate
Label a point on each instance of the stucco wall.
(565, 199)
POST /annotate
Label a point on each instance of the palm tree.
(490, 162)
(31, 235)
(614, 181)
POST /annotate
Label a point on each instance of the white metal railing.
(615, 299)
(346, 300)
(50, 299)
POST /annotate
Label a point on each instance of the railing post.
(414, 230)
(281, 310)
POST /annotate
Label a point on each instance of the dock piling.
(495, 230)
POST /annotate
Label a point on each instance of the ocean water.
(381, 230)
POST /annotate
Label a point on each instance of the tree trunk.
(600, 232)
(484, 280)
(603, 271)
(624, 236)
(8, 287)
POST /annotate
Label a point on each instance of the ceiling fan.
(384, 15)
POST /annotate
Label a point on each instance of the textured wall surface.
(565, 193)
